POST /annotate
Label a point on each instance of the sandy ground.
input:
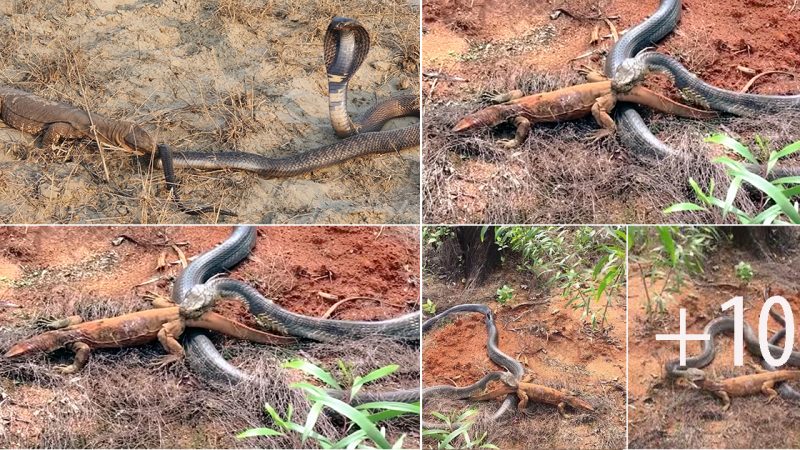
(204, 75)
(554, 346)
(105, 271)
(666, 416)
(472, 48)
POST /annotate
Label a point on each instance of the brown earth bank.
(206, 75)
(554, 345)
(664, 415)
(475, 48)
(105, 271)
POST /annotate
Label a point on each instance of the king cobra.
(724, 324)
(623, 68)
(346, 46)
(495, 354)
(203, 356)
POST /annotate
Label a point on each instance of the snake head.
(138, 140)
(509, 379)
(198, 301)
(692, 376)
(628, 74)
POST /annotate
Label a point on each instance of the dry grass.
(556, 177)
(121, 400)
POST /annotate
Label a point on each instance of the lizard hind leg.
(768, 389)
(82, 352)
(58, 131)
(168, 337)
(523, 129)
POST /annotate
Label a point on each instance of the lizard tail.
(577, 403)
(215, 322)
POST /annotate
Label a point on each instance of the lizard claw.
(165, 361)
(508, 143)
(597, 136)
(67, 369)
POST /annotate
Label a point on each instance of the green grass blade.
(665, 235)
(732, 144)
(772, 191)
(353, 438)
(258, 432)
(311, 421)
(359, 382)
(354, 415)
(788, 150)
(394, 406)
(733, 189)
(787, 180)
(681, 207)
(312, 370)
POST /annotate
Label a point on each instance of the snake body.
(495, 354)
(717, 326)
(697, 90)
(204, 357)
(632, 130)
(784, 389)
(346, 45)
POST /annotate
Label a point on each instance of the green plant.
(504, 294)
(744, 271)
(672, 253)
(429, 307)
(460, 424)
(363, 418)
(434, 236)
(587, 264)
(777, 207)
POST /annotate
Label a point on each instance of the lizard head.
(137, 140)
(487, 117)
(40, 343)
(630, 72)
(198, 301)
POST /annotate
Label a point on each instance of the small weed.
(459, 438)
(429, 307)
(364, 417)
(504, 294)
(777, 207)
(744, 271)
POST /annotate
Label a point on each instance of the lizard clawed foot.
(165, 361)
(67, 369)
(597, 136)
(508, 143)
(51, 323)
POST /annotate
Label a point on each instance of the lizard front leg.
(523, 129)
(600, 111)
(55, 132)
(726, 399)
(82, 352)
(168, 337)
